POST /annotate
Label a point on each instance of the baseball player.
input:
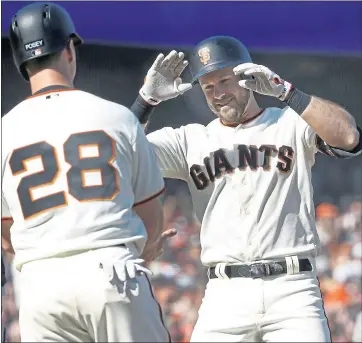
(3, 281)
(249, 174)
(6, 222)
(82, 186)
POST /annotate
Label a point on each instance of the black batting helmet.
(216, 53)
(40, 29)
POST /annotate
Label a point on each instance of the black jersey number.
(79, 166)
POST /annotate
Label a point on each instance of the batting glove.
(125, 269)
(264, 81)
(163, 81)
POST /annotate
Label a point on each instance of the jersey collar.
(51, 89)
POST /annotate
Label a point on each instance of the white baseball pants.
(69, 299)
(286, 308)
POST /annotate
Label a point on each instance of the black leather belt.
(259, 270)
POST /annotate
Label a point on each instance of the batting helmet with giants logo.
(216, 53)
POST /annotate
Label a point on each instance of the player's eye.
(224, 80)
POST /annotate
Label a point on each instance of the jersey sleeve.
(329, 150)
(170, 147)
(308, 137)
(147, 178)
(315, 144)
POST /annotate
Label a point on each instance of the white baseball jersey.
(5, 213)
(73, 167)
(251, 184)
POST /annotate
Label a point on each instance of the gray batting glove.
(264, 80)
(163, 81)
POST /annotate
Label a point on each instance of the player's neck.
(253, 111)
(251, 115)
(48, 78)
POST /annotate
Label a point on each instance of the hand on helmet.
(163, 81)
(264, 80)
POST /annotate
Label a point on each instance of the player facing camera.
(211, 65)
(249, 175)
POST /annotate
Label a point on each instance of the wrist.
(297, 100)
(148, 99)
(287, 88)
(142, 109)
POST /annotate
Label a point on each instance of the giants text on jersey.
(247, 184)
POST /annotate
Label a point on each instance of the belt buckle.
(258, 270)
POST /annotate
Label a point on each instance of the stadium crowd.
(179, 278)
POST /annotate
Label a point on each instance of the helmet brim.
(213, 67)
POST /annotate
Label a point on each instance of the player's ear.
(70, 51)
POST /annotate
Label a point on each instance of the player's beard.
(233, 112)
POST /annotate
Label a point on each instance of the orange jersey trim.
(52, 91)
(150, 198)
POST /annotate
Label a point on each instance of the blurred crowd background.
(115, 71)
(179, 278)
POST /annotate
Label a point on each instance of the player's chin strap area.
(291, 265)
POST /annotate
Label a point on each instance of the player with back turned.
(80, 190)
(249, 174)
